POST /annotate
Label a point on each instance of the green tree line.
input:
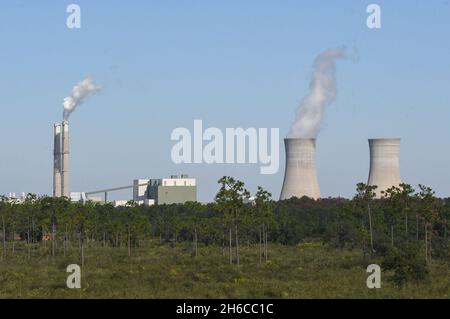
(404, 230)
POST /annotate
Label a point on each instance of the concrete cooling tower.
(384, 163)
(300, 177)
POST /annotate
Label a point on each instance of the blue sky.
(164, 64)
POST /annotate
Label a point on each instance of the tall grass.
(309, 270)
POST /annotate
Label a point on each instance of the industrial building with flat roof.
(173, 190)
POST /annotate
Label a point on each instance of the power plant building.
(173, 190)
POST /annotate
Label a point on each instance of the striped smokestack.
(65, 189)
(57, 160)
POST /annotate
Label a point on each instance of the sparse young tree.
(264, 209)
(428, 209)
(364, 197)
(230, 199)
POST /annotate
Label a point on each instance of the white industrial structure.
(174, 180)
(300, 178)
(57, 161)
(65, 190)
(61, 160)
(148, 192)
(141, 186)
(120, 203)
(12, 198)
(140, 192)
(384, 164)
(176, 189)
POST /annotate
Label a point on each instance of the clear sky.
(164, 64)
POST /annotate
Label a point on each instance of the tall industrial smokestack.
(384, 163)
(300, 177)
(65, 189)
(57, 160)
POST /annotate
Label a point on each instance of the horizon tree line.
(403, 221)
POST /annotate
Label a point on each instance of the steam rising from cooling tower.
(79, 93)
(300, 178)
(384, 163)
(322, 91)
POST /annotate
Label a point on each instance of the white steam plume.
(79, 93)
(322, 91)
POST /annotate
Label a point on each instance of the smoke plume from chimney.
(79, 93)
(322, 91)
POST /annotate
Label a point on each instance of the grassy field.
(161, 271)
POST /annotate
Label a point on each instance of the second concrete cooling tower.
(300, 177)
(384, 163)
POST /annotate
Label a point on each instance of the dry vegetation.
(308, 270)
